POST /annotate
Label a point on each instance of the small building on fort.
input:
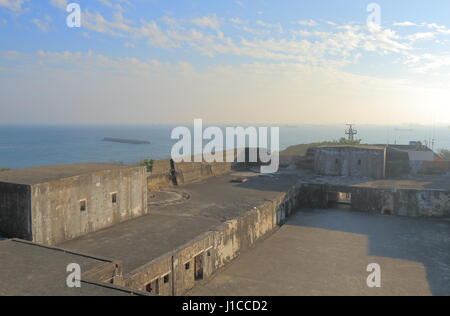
(53, 204)
(363, 161)
(354, 161)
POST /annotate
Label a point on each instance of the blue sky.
(255, 61)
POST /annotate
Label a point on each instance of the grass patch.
(300, 150)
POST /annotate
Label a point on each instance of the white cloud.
(60, 4)
(339, 46)
(120, 6)
(42, 25)
(307, 23)
(207, 21)
(427, 63)
(406, 23)
(13, 5)
(238, 21)
(421, 36)
(155, 89)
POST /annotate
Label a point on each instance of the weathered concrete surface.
(326, 252)
(219, 220)
(425, 196)
(186, 172)
(402, 202)
(357, 161)
(42, 174)
(29, 269)
(211, 203)
(56, 204)
(43, 204)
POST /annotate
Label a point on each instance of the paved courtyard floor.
(326, 252)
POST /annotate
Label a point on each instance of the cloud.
(43, 24)
(406, 23)
(421, 36)
(340, 46)
(13, 5)
(307, 23)
(121, 6)
(207, 21)
(153, 90)
(238, 21)
(118, 26)
(60, 4)
(427, 63)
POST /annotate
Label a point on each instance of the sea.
(29, 146)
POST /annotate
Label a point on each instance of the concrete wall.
(56, 215)
(350, 161)
(15, 211)
(178, 266)
(423, 203)
(404, 202)
(214, 249)
(150, 273)
(187, 172)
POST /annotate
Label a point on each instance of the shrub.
(149, 164)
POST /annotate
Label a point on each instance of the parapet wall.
(401, 202)
(178, 271)
(186, 172)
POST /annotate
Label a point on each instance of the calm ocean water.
(27, 146)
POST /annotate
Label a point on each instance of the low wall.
(402, 202)
(179, 271)
(187, 172)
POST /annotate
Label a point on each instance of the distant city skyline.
(255, 62)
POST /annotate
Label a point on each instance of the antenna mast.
(351, 132)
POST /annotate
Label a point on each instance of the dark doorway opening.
(198, 267)
(339, 200)
(153, 287)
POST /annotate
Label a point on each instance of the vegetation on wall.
(149, 164)
(4, 169)
(303, 148)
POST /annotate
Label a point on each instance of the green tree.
(4, 169)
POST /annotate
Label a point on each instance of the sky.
(226, 62)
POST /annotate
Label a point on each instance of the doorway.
(198, 267)
(153, 287)
(339, 200)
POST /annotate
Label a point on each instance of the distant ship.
(404, 130)
(125, 141)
